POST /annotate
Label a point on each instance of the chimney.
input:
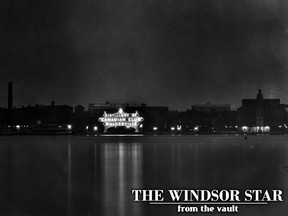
(10, 96)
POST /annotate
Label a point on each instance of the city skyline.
(10, 102)
(172, 53)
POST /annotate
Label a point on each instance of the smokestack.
(10, 96)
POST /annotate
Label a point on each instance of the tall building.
(261, 115)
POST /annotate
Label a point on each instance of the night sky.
(160, 52)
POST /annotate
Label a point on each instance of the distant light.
(9, 126)
(179, 127)
(69, 127)
(120, 111)
(196, 128)
(87, 127)
(155, 128)
(95, 128)
(245, 128)
(280, 126)
(236, 126)
(141, 125)
(266, 128)
(18, 126)
(172, 128)
(59, 126)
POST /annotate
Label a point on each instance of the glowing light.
(179, 127)
(121, 119)
(196, 128)
(245, 128)
(172, 128)
(141, 125)
(120, 111)
(155, 128)
(95, 128)
(87, 127)
(18, 126)
(69, 127)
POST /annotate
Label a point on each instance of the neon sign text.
(121, 119)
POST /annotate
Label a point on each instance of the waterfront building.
(155, 117)
(209, 107)
(211, 118)
(261, 115)
(99, 108)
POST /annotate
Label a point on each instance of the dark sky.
(161, 52)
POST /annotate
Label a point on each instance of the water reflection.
(122, 172)
(94, 176)
(69, 181)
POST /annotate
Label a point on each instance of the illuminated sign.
(121, 119)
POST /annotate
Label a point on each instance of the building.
(209, 107)
(210, 118)
(155, 117)
(99, 108)
(261, 115)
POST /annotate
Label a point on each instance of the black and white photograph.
(143, 107)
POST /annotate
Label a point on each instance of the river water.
(95, 175)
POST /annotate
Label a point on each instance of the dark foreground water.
(95, 175)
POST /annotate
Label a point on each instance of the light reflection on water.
(122, 172)
(95, 175)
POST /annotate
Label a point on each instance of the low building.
(209, 107)
(211, 118)
(99, 108)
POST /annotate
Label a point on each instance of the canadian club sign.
(121, 119)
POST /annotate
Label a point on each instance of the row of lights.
(18, 126)
(26, 126)
(178, 128)
(265, 129)
(69, 127)
(95, 128)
